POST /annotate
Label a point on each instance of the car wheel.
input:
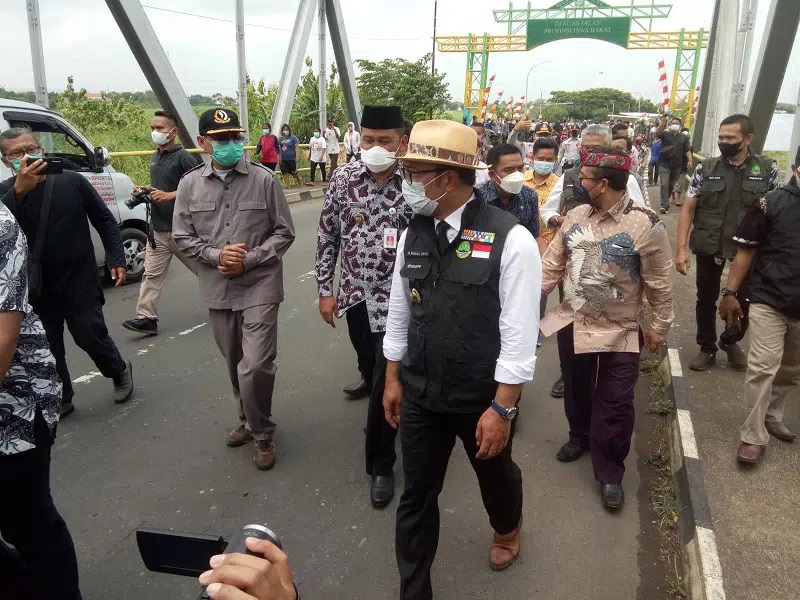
(134, 243)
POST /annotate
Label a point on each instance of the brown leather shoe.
(504, 550)
(778, 430)
(238, 437)
(749, 453)
(264, 454)
(703, 361)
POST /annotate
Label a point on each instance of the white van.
(59, 138)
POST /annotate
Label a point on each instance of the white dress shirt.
(520, 293)
(482, 175)
(550, 208)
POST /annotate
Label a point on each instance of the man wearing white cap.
(460, 342)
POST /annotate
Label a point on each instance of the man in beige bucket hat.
(460, 342)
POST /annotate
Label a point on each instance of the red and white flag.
(495, 104)
(486, 93)
(662, 81)
(481, 250)
(696, 99)
(518, 107)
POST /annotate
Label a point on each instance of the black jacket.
(69, 272)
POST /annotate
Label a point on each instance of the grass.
(781, 157)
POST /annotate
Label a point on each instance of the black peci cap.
(219, 120)
(382, 117)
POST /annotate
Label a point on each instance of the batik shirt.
(31, 381)
(607, 261)
(524, 206)
(355, 215)
(543, 191)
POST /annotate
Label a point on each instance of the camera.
(140, 197)
(188, 554)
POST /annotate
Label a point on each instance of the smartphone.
(55, 165)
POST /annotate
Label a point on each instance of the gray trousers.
(248, 340)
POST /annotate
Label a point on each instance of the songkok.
(605, 160)
(382, 117)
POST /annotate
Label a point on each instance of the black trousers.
(314, 166)
(709, 275)
(47, 568)
(88, 329)
(652, 173)
(427, 441)
(379, 445)
(669, 177)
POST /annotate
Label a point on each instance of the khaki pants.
(156, 263)
(248, 340)
(773, 369)
(334, 161)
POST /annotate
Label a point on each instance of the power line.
(188, 14)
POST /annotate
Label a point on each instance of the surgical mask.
(285, 132)
(414, 195)
(159, 137)
(16, 162)
(729, 150)
(378, 159)
(512, 183)
(674, 128)
(267, 131)
(581, 194)
(316, 134)
(543, 167)
(227, 153)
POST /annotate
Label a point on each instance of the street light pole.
(529, 74)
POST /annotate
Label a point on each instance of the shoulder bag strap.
(38, 245)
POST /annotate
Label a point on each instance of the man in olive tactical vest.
(720, 193)
(460, 342)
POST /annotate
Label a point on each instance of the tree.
(260, 101)
(410, 85)
(786, 107)
(598, 103)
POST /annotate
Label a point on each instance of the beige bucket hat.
(443, 143)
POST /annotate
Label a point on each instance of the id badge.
(389, 238)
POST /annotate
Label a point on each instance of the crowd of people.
(448, 242)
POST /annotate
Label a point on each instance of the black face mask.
(729, 150)
(581, 194)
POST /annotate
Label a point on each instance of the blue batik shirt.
(31, 382)
(524, 206)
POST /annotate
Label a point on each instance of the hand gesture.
(28, 177)
(232, 270)
(118, 274)
(160, 195)
(653, 341)
(328, 309)
(730, 310)
(491, 434)
(232, 255)
(682, 261)
(392, 402)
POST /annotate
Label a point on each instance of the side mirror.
(100, 158)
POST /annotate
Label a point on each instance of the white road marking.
(306, 276)
(687, 433)
(675, 362)
(88, 377)
(191, 329)
(709, 563)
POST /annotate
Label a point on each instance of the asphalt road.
(160, 460)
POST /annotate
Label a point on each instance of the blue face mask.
(316, 134)
(16, 162)
(227, 153)
(543, 167)
(581, 194)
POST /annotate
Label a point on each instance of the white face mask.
(674, 128)
(414, 195)
(378, 159)
(512, 183)
(159, 137)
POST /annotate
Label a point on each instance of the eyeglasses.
(582, 179)
(21, 152)
(408, 175)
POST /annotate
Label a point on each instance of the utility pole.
(242, 66)
(323, 78)
(433, 50)
(793, 145)
(37, 53)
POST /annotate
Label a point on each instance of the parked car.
(59, 138)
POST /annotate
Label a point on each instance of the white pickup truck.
(59, 138)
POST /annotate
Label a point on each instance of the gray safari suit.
(247, 206)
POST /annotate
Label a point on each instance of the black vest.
(775, 279)
(454, 333)
(571, 177)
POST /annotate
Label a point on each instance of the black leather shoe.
(145, 326)
(382, 490)
(558, 388)
(357, 390)
(66, 408)
(570, 451)
(612, 495)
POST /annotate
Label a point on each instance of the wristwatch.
(727, 292)
(507, 413)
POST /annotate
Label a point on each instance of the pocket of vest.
(416, 268)
(470, 271)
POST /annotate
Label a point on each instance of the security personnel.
(232, 219)
(460, 342)
(720, 193)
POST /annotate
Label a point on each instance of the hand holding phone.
(53, 165)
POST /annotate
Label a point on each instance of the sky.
(81, 39)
